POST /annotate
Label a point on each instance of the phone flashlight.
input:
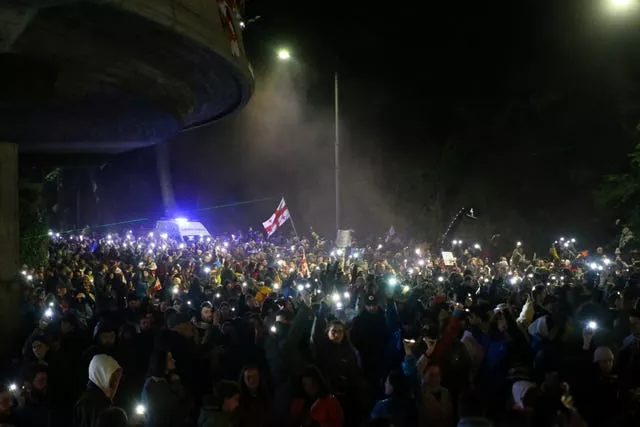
(592, 325)
(13, 387)
(140, 409)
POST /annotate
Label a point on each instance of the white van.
(182, 229)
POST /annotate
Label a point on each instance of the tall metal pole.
(336, 107)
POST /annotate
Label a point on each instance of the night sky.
(516, 108)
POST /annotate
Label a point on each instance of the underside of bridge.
(106, 76)
(109, 76)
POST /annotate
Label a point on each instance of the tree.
(618, 195)
(34, 240)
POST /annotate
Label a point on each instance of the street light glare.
(621, 3)
(284, 54)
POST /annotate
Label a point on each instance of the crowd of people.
(244, 331)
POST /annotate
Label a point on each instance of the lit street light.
(621, 3)
(285, 55)
(621, 7)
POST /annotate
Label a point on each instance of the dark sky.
(514, 107)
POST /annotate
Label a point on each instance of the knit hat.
(602, 353)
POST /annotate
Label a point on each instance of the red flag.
(279, 217)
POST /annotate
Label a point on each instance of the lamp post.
(285, 55)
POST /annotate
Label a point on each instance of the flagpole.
(293, 225)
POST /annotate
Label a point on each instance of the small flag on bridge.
(279, 217)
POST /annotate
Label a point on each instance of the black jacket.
(338, 362)
(166, 403)
(89, 407)
(370, 336)
(284, 357)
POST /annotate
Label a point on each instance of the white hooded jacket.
(101, 369)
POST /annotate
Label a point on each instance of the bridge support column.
(9, 246)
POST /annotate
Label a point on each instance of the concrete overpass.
(106, 76)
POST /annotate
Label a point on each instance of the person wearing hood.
(104, 378)
(162, 393)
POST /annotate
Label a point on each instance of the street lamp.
(285, 55)
(621, 7)
(621, 3)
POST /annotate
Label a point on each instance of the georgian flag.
(279, 217)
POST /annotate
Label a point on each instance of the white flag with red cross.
(279, 217)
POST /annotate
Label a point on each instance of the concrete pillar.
(163, 164)
(9, 249)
